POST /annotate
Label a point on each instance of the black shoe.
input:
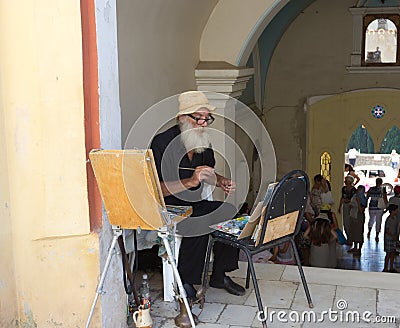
(190, 291)
(229, 285)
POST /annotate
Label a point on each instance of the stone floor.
(284, 299)
(359, 282)
(372, 256)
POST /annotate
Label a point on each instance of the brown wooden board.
(252, 223)
(129, 187)
(280, 226)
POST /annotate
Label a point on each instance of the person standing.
(396, 201)
(377, 55)
(357, 219)
(348, 192)
(390, 238)
(394, 159)
(352, 153)
(349, 170)
(185, 161)
(319, 187)
(377, 204)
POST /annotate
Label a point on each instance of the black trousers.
(193, 250)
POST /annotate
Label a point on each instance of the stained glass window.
(326, 166)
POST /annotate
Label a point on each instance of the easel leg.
(207, 264)
(99, 290)
(182, 291)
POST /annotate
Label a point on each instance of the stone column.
(223, 80)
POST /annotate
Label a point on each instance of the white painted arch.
(233, 29)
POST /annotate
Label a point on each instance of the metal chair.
(286, 203)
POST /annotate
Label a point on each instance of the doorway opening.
(370, 162)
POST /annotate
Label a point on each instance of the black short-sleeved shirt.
(170, 155)
(347, 194)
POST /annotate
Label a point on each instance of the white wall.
(158, 44)
(113, 302)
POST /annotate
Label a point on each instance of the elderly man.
(184, 161)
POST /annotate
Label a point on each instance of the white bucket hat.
(192, 101)
(349, 178)
(323, 216)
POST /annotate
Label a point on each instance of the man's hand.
(203, 173)
(200, 173)
(227, 185)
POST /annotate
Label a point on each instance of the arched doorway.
(331, 120)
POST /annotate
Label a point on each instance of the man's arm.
(384, 195)
(174, 187)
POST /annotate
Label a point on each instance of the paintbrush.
(190, 169)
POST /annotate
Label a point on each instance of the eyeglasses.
(200, 120)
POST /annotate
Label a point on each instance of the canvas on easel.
(131, 193)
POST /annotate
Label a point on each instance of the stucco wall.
(8, 291)
(311, 60)
(50, 258)
(158, 47)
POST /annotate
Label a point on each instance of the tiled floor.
(372, 256)
(368, 294)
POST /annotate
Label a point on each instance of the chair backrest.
(285, 208)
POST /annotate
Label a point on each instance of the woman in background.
(348, 170)
(323, 243)
(319, 187)
(348, 191)
(357, 219)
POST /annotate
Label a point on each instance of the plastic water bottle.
(144, 290)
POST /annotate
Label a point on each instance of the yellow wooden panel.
(129, 187)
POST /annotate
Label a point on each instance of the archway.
(330, 130)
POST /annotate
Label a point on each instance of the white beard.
(195, 139)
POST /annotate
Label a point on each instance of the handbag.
(341, 238)
(327, 198)
(381, 203)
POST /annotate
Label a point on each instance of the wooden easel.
(131, 193)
